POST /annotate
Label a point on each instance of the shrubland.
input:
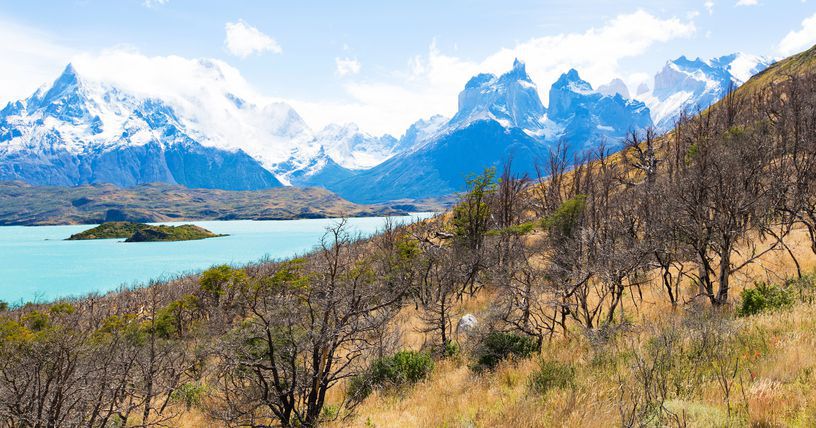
(667, 284)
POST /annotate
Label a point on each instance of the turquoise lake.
(37, 264)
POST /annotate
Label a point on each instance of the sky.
(384, 64)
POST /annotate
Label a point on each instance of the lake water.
(37, 264)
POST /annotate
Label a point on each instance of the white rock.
(467, 324)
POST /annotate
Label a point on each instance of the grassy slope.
(27, 205)
(775, 382)
(798, 64)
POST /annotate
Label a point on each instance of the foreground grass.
(765, 361)
(660, 366)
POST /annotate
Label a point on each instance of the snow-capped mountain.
(616, 86)
(585, 116)
(354, 149)
(213, 130)
(421, 132)
(687, 85)
(78, 131)
(510, 99)
(499, 118)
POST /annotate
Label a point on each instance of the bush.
(565, 219)
(404, 367)
(400, 369)
(451, 350)
(498, 346)
(189, 394)
(804, 287)
(214, 280)
(552, 375)
(763, 297)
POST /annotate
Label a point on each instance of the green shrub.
(804, 287)
(498, 346)
(36, 320)
(215, 279)
(566, 218)
(189, 394)
(451, 350)
(552, 375)
(404, 367)
(400, 369)
(359, 387)
(763, 297)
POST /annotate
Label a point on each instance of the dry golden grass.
(776, 385)
(778, 388)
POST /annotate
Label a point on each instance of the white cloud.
(346, 66)
(153, 3)
(801, 39)
(30, 59)
(747, 2)
(244, 40)
(211, 97)
(709, 5)
(431, 83)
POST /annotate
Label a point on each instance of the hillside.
(670, 284)
(799, 65)
(22, 204)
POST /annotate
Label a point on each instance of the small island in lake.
(140, 232)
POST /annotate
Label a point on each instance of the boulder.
(467, 324)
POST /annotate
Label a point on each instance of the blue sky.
(386, 64)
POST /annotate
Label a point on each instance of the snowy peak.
(567, 94)
(353, 149)
(685, 75)
(586, 114)
(511, 99)
(66, 84)
(422, 131)
(571, 81)
(616, 86)
(64, 99)
(742, 66)
(689, 84)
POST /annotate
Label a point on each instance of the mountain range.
(81, 130)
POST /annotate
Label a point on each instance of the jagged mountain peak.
(690, 84)
(615, 86)
(518, 72)
(585, 114)
(511, 99)
(352, 148)
(572, 81)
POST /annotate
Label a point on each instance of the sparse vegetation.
(605, 295)
(764, 297)
(552, 375)
(498, 346)
(404, 368)
(23, 204)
